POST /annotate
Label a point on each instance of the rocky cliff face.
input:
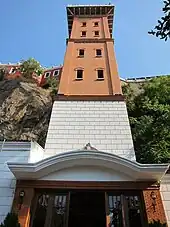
(25, 111)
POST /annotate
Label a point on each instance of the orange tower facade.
(90, 66)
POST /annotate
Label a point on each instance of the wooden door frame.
(52, 195)
(30, 186)
(121, 193)
(105, 185)
(124, 207)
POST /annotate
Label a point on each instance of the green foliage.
(162, 30)
(157, 224)
(29, 67)
(149, 114)
(129, 93)
(11, 220)
(53, 84)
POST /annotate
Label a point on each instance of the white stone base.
(7, 183)
(165, 193)
(10, 151)
(103, 124)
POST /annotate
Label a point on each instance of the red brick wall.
(157, 213)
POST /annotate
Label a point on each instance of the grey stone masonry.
(165, 193)
(103, 124)
(10, 151)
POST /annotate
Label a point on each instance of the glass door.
(124, 210)
(87, 208)
(50, 209)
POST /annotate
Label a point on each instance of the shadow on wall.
(130, 154)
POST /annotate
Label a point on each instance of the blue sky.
(38, 28)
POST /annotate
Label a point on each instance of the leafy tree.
(149, 114)
(11, 220)
(53, 83)
(29, 67)
(162, 29)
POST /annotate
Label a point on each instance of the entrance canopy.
(84, 161)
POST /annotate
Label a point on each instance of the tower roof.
(90, 11)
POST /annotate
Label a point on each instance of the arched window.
(79, 73)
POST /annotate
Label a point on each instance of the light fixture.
(21, 198)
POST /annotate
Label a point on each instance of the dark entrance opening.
(87, 209)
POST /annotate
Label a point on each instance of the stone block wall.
(165, 194)
(104, 124)
(9, 151)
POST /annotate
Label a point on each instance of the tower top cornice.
(93, 5)
(90, 11)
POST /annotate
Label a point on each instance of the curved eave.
(139, 172)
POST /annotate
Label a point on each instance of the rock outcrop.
(25, 111)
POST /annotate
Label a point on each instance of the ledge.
(90, 40)
(116, 97)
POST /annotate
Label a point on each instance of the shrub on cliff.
(53, 84)
(30, 67)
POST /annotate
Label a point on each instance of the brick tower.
(90, 107)
(90, 65)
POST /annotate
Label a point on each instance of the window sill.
(100, 79)
(80, 56)
(77, 79)
(98, 56)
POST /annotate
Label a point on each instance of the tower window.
(81, 53)
(96, 33)
(79, 75)
(84, 24)
(100, 74)
(96, 24)
(98, 52)
(83, 33)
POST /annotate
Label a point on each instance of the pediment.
(87, 173)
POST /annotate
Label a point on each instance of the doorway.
(87, 209)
